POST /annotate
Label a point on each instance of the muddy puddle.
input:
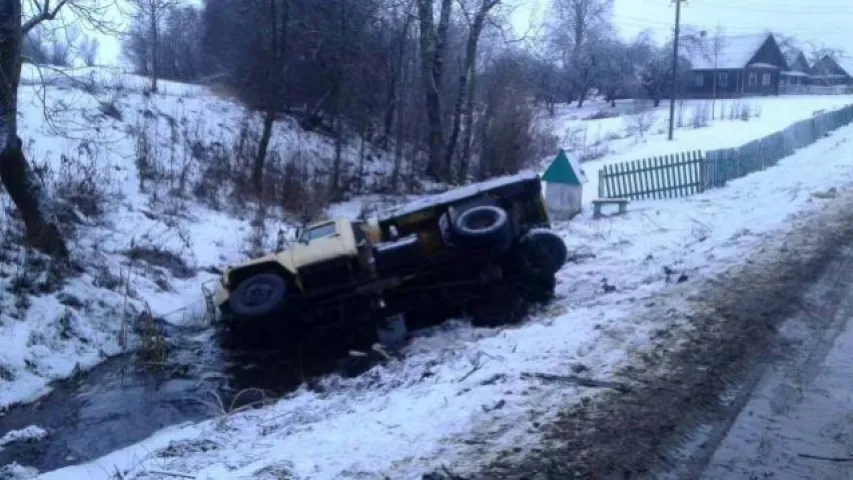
(123, 400)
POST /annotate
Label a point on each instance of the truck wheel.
(484, 227)
(541, 254)
(258, 295)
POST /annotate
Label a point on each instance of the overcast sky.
(821, 21)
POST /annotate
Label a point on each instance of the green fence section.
(670, 176)
(689, 173)
(730, 163)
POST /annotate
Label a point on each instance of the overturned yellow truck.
(484, 250)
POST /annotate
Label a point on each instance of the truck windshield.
(319, 231)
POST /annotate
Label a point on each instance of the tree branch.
(44, 13)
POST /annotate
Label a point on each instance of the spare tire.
(258, 295)
(541, 254)
(483, 227)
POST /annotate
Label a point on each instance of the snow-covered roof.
(726, 52)
(763, 65)
(455, 195)
(795, 73)
(846, 63)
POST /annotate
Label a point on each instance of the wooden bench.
(600, 202)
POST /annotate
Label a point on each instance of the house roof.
(846, 64)
(791, 56)
(564, 170)
(731, 52)
(763, 65)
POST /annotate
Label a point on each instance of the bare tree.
(35, 48)
(61, 45)
(152, 14)
(509, 137)
(178, 45)
(714, 48)
(88, 50)
(617, 65)
(655, 69)
(476, 23)
(577, 26)
(433, 43)
(16, 174)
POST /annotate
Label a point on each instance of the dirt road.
(784, 305)
(798, 421)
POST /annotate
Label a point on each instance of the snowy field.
(463, 394)
(617, 139)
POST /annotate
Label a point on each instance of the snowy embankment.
(605, 141)
(139, 176)
(461, 395)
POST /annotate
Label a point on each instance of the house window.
(753, 79)
(765, 79)
(722, 79)
(699, 79)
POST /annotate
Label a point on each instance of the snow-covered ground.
(137, 169)
(146, 160)
(462, 394)
(616, 139)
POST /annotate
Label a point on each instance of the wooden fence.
(683, 174)
(669, 176)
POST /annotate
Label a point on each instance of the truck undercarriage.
(485, 252)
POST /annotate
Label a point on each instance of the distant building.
(739, 65)
(798, 71)
(832, 71)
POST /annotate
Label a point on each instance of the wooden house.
(832, 71)
(732, 66)
(798, 71)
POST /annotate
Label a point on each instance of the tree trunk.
(433, 43)
(393, 96)
(398, 150)
(18, 178)
(337, 163)
(468, 132)
(468, 71)
(582, 97)
(263, 149)
(155, 48)
(400, 127)
(359, 186)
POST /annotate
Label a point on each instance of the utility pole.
(674, 64)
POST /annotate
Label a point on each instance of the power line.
(641, 22)
(796, 5)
